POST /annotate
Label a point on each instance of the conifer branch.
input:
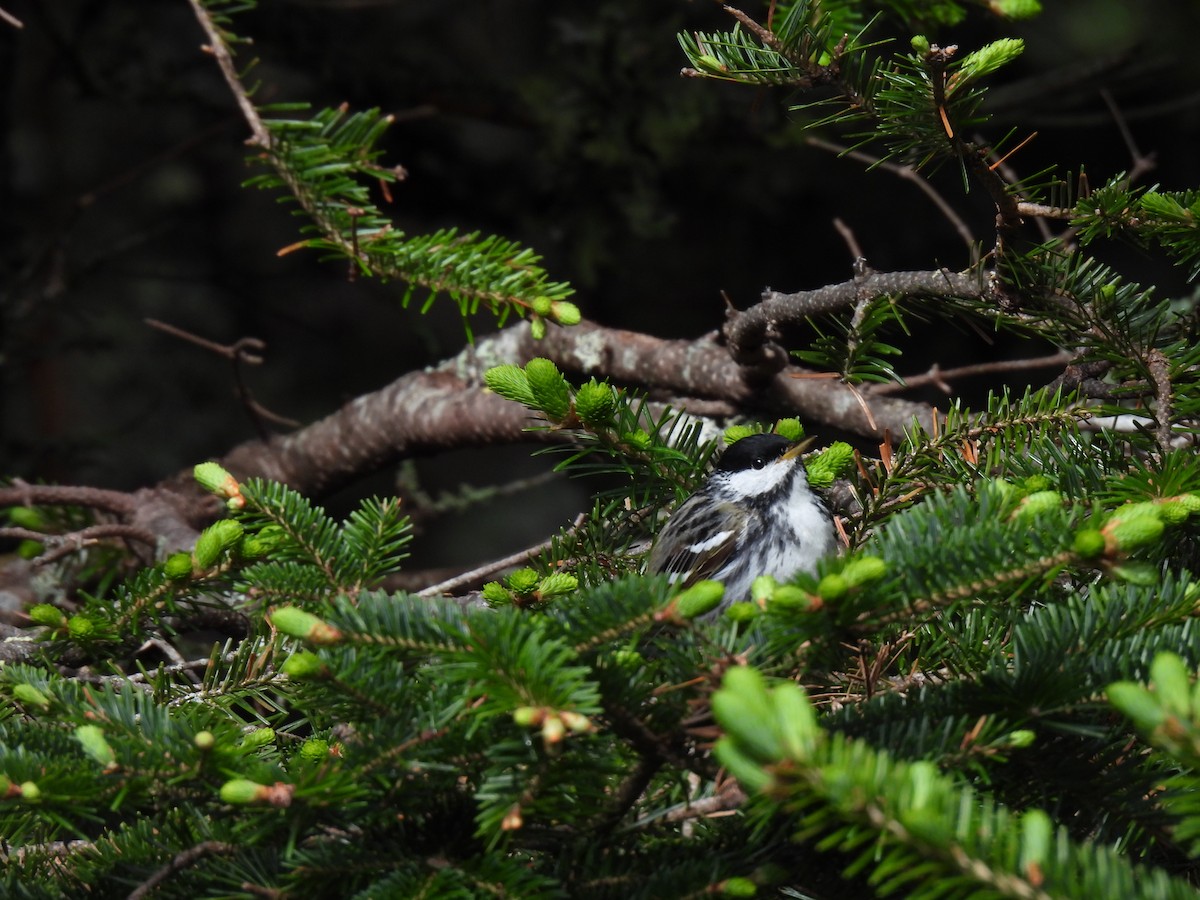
(316, 160)
(423, 412)
(749, 332)
(218, 46)
(181, 860)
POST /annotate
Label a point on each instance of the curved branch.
(448, 407)
(748, 333)
(417, 414)
(703, 368)
(21, 493)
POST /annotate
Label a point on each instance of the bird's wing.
(720, 524)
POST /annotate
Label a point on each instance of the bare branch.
(940, 377)
(1141, 163)
(21, 493)
(908, 173)
(489, 570)
(1160, 371)
(418, 414)
(63, 544)
(747, 332)
(181, 860)
(448, 407)
(244, 351)
(221, 53)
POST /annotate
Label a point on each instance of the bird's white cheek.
(753, 482)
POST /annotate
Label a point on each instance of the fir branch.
(218, 46)
(748, 332)
(454, 412)
(913, 827)
(317, 160)
(181, 860)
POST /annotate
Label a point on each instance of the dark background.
(564, 126)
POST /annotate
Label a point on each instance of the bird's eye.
(759, 462)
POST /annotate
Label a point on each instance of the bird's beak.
(797, 448)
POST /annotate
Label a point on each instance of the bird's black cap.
(753, 452)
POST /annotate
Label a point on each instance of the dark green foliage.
(1168, 218)
(854, 349)
(508, 743)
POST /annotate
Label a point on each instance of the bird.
(755, 514)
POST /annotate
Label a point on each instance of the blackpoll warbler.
(755, 515)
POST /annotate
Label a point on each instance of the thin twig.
(243, 351)
(140, 678)
(423, 506)
(765, 35)
(847, 234)
(181, 860)
(249, 348)
(1135, 424)
(450, 585)
(1142, 162)
(1037, 212)
(220, 51)
(908, 173)
(728, 797)
(165, 649)
(62, 544)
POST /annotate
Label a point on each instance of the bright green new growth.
(829, 464)
(926, 826)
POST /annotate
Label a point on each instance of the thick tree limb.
(447, 407)
(705, 368)
(416, 415)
